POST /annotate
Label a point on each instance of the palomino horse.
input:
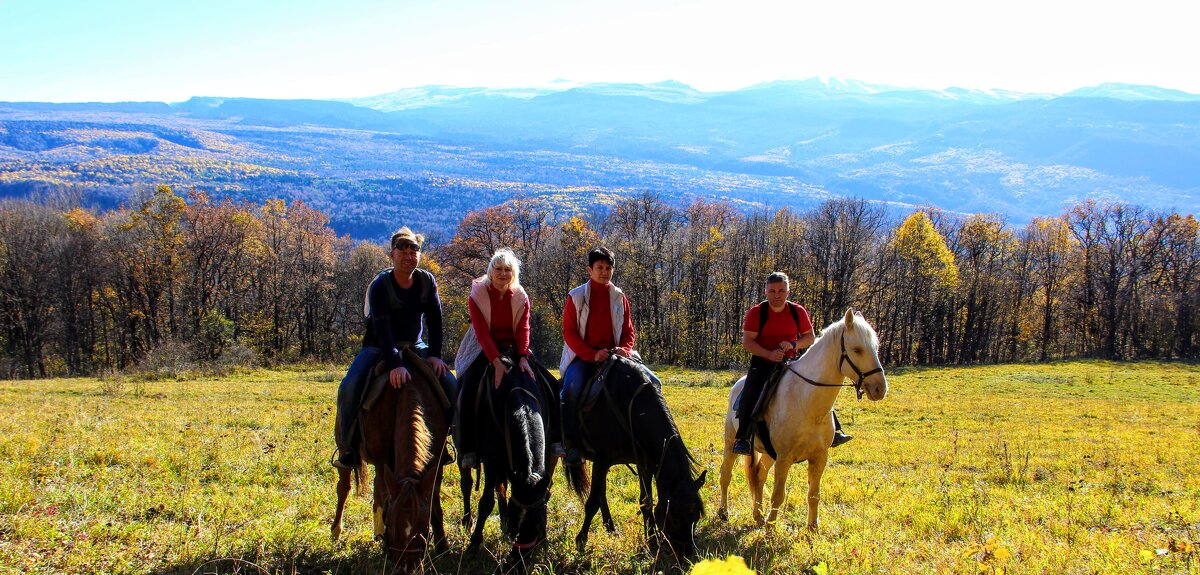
(798, 417)
(513, 446)
(403, 435)
(630, 423)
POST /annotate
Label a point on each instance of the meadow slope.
(1074, 467)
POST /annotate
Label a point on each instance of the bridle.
(857, 385)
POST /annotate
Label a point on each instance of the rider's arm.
(752, 346)
(521, 332)
(627, 334)
(433, 319)
(570, 331)
(381, 322)
(483, 332)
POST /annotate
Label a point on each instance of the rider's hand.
(622, 352)
(399, 377)
(439, 366)
(525, 368)
(499, 370)
(601, 356)
(777, 355)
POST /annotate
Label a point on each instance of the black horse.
(514, 428)
(630, 423)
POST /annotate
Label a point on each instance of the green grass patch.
(1069, 467)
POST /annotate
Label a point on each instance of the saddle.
(485, 393)
(603, 383)
(768, 392)
(764, 398)
(420, 371)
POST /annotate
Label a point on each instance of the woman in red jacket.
(498, 336)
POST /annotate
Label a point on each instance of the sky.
(169, 51)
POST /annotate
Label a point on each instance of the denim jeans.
(354, 384)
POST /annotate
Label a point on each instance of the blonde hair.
(406, 236)
(507, 257)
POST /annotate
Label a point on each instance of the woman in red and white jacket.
(499, 329)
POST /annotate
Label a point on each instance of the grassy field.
(1079, 467)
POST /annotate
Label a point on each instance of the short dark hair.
(601, 253)
(777, 277)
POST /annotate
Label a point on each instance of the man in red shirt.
(596, 322)
(773, 330)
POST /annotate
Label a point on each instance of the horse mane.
(410, 415)
(837, 328)
(673, 437)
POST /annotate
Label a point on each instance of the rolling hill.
(424, 156)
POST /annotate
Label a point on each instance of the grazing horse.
(403, 435)
(798, 417)
(630, 423)
(513, 448)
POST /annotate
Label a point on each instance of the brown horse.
(403, 435)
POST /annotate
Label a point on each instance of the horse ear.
(849, 319)
(700, 480)
(389, 477)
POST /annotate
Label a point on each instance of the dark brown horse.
(631, 423)
(403, 435)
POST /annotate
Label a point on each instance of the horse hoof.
(580, 544)
(335, 532)
(465, 522)
(722, 515)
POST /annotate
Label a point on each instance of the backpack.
(422, 279)
(765, 307)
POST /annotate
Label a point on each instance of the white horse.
(798, 416)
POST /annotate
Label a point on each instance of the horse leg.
(646, 501)
(779, 489)
(756, 478)
(593, 504)
(464, 486)
(343, 489)
(377, 494)
(727, 462)
(437, 517)
(502, 503)
(816, 468)
(486, 501)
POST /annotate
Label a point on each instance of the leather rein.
(857, 385)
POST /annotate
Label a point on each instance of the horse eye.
(858, 350)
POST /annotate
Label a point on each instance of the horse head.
(405, 520)
(677, 511)
(860, 356)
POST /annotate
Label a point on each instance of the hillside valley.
(425, 156)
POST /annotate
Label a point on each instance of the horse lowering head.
(406, 521)
(676, 513)
(860, 356)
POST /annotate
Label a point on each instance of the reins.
(857, 385)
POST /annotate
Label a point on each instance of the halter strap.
(845, 358)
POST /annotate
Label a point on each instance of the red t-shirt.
(780, 327)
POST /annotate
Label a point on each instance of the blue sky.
(120, 50)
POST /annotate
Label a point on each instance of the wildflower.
(732, 565)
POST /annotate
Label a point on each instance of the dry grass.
(1080, 467)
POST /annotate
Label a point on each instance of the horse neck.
(820, 364)
(659, 440)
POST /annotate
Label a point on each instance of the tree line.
(83, 292)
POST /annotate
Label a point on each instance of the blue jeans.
(354, 384)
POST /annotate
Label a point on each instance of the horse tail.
(578, 479)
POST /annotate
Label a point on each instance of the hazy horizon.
(140, 50)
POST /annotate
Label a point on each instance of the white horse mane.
(837, 328)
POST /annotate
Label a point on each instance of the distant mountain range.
(426, 155)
